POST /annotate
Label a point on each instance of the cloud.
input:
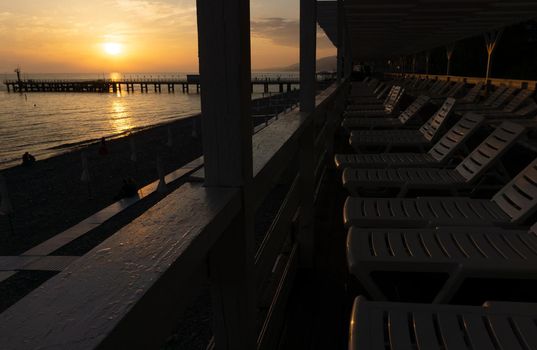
(284, 32)
(280, 31)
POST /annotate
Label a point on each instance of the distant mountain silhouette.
(323, 64)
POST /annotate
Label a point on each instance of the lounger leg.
(449, 288)
(504, 174)
(403, 191)
(370, 286)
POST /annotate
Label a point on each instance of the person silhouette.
(27, 159)
(103, 148)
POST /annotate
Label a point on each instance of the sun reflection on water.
(120, 119)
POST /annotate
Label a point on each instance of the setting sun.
(113, 49)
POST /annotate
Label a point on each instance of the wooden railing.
(516, 83)
(129, 292)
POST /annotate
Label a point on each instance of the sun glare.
(113, 49)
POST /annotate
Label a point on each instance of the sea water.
(48, 123)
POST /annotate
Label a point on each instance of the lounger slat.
(446, 239)
(433, 207)
(433, 244)
(415, 247)
(506, 251)
(519, 246)
(465, 245)
(399, 331)
(451, 332)
(527, 330)
(425, 332)
(530, 241)
(380, 247)
(409, 208)
(495, 95)
(485, 247)
(378, 329)
(503, 332)
(454, 207)
(396, 243)
(477, 209)
(477, 332)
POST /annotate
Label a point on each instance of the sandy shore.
(48, 197)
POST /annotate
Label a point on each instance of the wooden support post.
(491, 40)
(348, 66)
(427, 60)
(340, 26)
(224, 64)
(308, 35)
(449, 53)
(308, 46)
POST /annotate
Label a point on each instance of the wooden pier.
(131, 85)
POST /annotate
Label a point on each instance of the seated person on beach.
(103, 149)
(128, 189)
(27, 159)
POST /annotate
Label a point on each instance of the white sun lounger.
(369, 94)
(470, 170)
(510, 206)
(411, 112)
(423, 137)
(460, 253)
(511, 107)
(439, 155)
(496, 100)
(386, 107)
(406, 326)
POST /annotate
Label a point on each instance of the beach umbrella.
(5, 206)
(162, 187)
(134, 157)
(170, 137)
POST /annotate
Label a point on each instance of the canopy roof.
(390, 28)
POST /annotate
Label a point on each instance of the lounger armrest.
(514, 308)
(359, 322)
(450, 198)
(484, 229)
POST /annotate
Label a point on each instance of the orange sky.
(155, 36)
